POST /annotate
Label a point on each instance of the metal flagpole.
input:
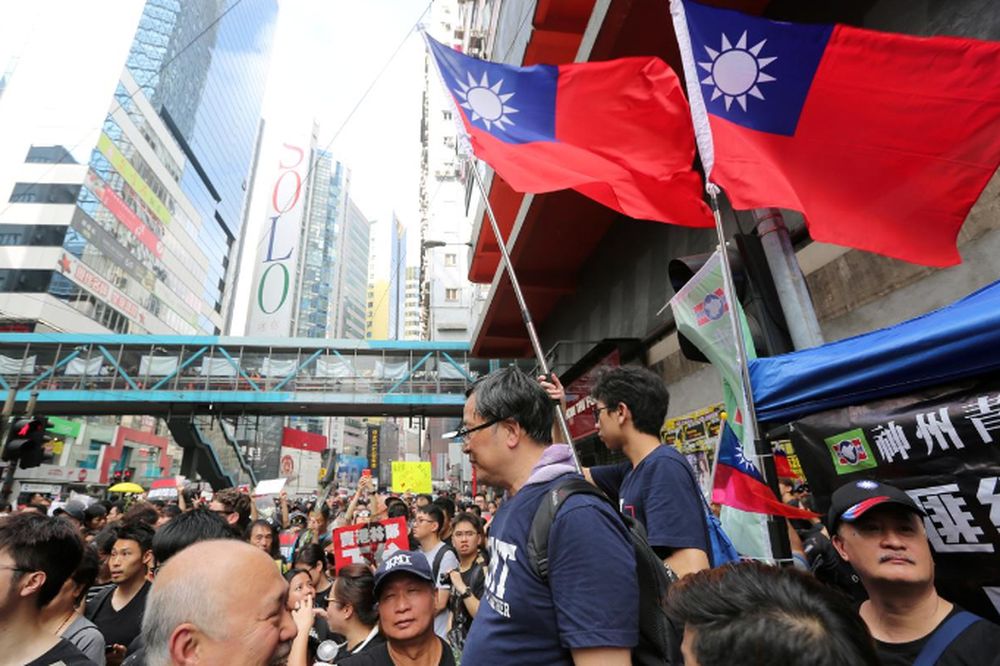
(466, 151)
(780, 547)
(525, 314)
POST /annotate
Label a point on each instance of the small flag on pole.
(701, 313)
(883, 141)
(738, 483)
(618, 132)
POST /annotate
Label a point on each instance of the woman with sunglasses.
(352, 611)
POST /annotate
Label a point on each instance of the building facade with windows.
(122, 190)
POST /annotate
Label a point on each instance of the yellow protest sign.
(414, 477)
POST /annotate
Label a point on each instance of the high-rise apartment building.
(445, 227)
(122, 190)
(412, 325)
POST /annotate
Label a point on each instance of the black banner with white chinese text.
(942, 446)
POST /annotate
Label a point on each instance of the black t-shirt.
(978, 645)
(377, 641)
(122, 626)
(475, 580)
(379, 656)
(62, 653)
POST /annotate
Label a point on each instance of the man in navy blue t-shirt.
(587, 613)
(656, 485)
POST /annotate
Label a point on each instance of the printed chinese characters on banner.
(941, 447)
(365, 543)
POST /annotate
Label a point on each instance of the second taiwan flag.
(883, 141)
(618, 132)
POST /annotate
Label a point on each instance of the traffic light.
(26, 443)
(128, 474)
(754, 290)
(117, 476)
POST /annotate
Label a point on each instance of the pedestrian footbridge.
(201, 382)
(172, 376)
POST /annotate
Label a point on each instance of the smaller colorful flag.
(738, 483)
(782, 466)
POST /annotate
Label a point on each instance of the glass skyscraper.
(160, 197)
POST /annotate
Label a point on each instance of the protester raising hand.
(303, 615)
(557, 393)
(301, 595)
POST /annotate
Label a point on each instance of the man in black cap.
(404, 588)
(73, 511)
(878, 529)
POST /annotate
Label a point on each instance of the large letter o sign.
(263, 284)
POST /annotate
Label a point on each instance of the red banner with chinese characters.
(365, 543)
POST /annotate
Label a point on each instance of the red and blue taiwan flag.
(618, 132)
(738, 483)
(883, 141)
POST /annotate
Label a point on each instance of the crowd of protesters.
(227, 580)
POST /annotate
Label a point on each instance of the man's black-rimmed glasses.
(463, 433)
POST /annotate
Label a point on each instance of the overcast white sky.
(326, 53)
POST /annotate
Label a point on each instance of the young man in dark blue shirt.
(656, 485)
(587, 612)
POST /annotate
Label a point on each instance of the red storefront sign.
(305, 441)
(578, 401)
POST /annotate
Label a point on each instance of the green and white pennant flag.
(701, 313)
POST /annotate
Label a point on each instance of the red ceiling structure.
(560, 230)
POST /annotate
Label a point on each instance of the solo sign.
(271, 310)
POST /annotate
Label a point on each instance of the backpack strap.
(545, 514)
(944, 636)
(94, 607)
(438, 558)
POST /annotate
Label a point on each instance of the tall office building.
(349, 314)
(397, 279)
(123, 176)
(316, 275)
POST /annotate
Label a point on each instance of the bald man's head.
(218, 602)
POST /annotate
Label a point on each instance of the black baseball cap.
(403, 561)
(73, 508)
(851, 501)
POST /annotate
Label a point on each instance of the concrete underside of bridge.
(239, 403)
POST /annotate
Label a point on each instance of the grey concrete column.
(789, 281)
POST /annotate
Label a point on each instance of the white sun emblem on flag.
(735, 71)
(486, 102)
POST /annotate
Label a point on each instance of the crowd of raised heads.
(126, 580)
(542, 565)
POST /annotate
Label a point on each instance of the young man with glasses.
(37, 555)
(234, 507)
(655, 485)
(587, 610)
(440, 557)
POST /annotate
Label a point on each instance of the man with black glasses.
(441, 558)
(585, 613)
(37, 555)
(656, 485)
